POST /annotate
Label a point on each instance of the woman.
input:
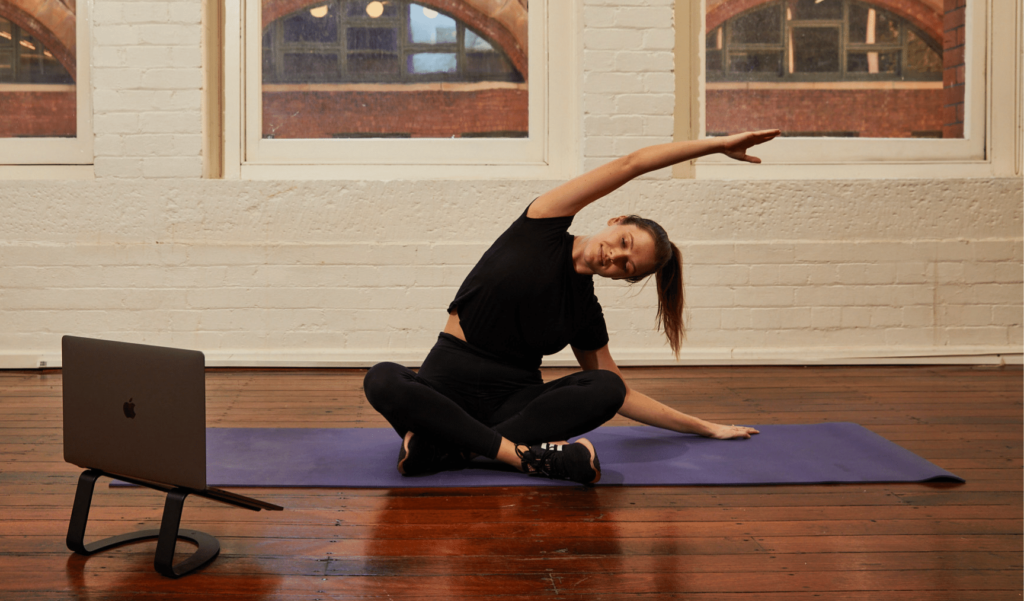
(480, 392)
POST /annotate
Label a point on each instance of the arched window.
(808, 40)
(343, 41)
(23, 59)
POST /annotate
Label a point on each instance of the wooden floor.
(863, 542)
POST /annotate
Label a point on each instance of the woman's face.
(620, 251)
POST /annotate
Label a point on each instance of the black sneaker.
(420, 457)
(576, 462)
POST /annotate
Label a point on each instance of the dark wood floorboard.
(906, 542)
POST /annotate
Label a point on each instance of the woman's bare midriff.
(454, 326)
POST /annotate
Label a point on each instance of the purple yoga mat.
(630, 456)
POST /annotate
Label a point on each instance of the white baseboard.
(332, 358)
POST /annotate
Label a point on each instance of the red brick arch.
(916, 12)
(502, 23)
(52, 22)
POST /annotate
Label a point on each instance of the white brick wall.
(147, 79)
(357, 272)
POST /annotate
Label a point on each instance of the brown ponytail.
(668, 274)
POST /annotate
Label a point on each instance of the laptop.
(139, 411)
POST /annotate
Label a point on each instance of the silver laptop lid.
(135, 410)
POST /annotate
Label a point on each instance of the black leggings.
(463, 398)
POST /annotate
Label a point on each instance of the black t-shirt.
(524, 300)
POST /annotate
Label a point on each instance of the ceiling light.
(430, 14)
(375, 9)
(319, 12)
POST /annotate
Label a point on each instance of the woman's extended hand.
(735, 146)
(726, 432)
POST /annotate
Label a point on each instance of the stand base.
(167, 536)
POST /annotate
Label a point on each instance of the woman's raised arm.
(570, 198)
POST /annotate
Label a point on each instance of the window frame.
(551, 151)
(32, 158)
(992, 96)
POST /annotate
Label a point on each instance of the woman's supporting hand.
(736, 145)
(721, 432)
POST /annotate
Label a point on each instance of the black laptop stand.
(168, 534)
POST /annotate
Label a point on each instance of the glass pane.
(755, 62)
(312, 25)
(814, 50)
(873, 62)
(372, 38)
(871, 26)
(760, 26)
(375, 64)
(922, 58)
(427, 26)
(44, 111)
(818, 82)
(369, 9)
(311, 67)
(475, 43)
(432, 62)
(799, 10)
(358, 50)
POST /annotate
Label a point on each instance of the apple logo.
(129, 409)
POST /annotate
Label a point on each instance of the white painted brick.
(979, 273)
(646, 17)
(954, 251)
(764, 275)
(661, 126)
(144, 57)
(144, 12)
(659, 39)
(750, 254)
(950, 271)
(882, 317)
(169, 35)
(600, 146)
(599, 104)
(163, 145)
(795, 318)
(117, 167)
(917, 317)
(710, 254)
(909, 337)
(612, 39)
(596, 17)
(171, 122)
(615, 83)
(644, 61)
(993, 250)
(826, 317)
(905, 296)
(999, 294)
(717, 296)
(157, 79)
(914, 273)
(108, 145)
(115, 34)
(185, 12)
(116, 123)
(110, 56)
(172, 166)
(120, 79)
(598, 60)
(1009, 272)
(736, 319)
(106, 12)
(980, 336)
(645, 104)
(183, 57)
(612, 125)
(867, 273)
(148, 100)
(764, 296)
(705, 319)
(1007, 315)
